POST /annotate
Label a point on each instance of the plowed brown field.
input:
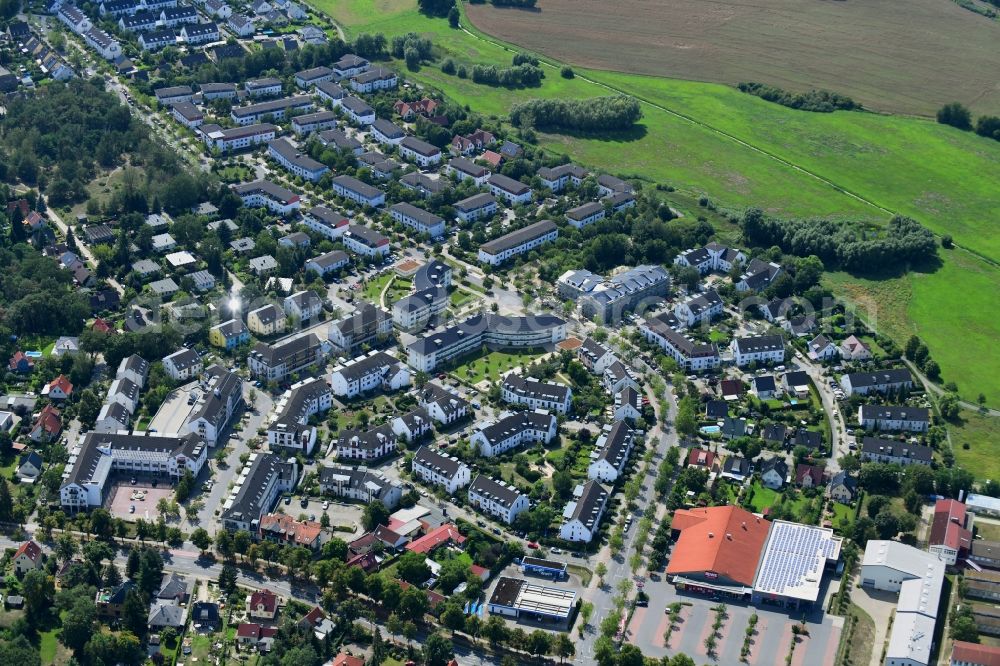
(891, 55)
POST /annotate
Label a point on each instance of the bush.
(821, 101)
(518, 76)
(988, 126)
(448, 66)
(462, 72)
(956, 115)
(567, 72)
(947, 242)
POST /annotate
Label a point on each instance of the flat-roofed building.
(518, 598)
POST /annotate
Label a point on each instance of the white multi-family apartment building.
(418, 219)
(513, 430)
(508, 246)
(497, 499)
(535, 394)
(759, 349)
(376, 370)
(436, 469)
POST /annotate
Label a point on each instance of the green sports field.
(740, 150)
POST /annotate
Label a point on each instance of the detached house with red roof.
(47, 426)
(809, 476)
(59, 388)
(951, 531)
(974, 654)
(28, 558)
(263, 605)
(20, 363)
(702, 458)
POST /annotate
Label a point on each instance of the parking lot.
(769, 645)
(121, 499)
(341, 515)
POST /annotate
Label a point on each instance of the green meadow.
(712, 140)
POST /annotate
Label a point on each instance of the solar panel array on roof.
(794, 557)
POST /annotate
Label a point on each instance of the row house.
(514, 430)
(436, 469)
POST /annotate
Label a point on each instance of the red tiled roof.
(49, 420)
(725, 540)
(948, 528)
(303, 533)
(62, 383)
(265, 598)
(387, 536)
(314, 616)
(17, 358)
(701, 458)
(31, 549)
(731, 387)
(442, 535)
(492, 158)
(102, 325)
(803, 470)
(347, 660)
(248, 630)
(973, 653)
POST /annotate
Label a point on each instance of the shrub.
(567, 72)
(956, 115)
(821, 101)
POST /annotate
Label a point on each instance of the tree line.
(821, 101)
(517, 76)
(958, 116)
(842, 242)
(597, 114)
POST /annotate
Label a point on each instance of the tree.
(201, 539)
(886, 524)
(453, 17)
(413, 569)
(567, 72)
(956, 115)
(438, 650)
(538, 642)
(413, 604)
(134, 613)
(601, 570)
(38, 590)
(453, 617)
(375, 514)
(101, 524)
(78, 623)
(963, 628)
(686, 422)
(227, 578)
(378, 648)
(563, 647)
(65, 547)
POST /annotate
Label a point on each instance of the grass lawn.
(460, 297)
(493, 364)
(373, 289)
(762, 497)
(842, 512)
(988, 531)
(982, 435)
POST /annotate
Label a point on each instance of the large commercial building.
(518, 598)
(441, 345)
(918, 577)
(730, 552)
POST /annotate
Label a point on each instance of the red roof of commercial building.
(445, 534)
(973, 653)
(948, 528)
(725, 540)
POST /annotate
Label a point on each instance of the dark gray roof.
(479, 324)
(508, 184)
(528, 387)
(224, 388)
(759, 343)
(273, 355)
(298, 403)
(419, 147)
(184, 358)
(366, 365)
(888, 447)
(262, 108)
(500, 493)
(82, 470)
(366, 440)
(430, 275)
(249, 504)
(366, 236)
(447, 466)
(895, 413)
(475, 202)
(354, 185)
(880, 377)
(512, 424)
(519, 237)
(589, 505)
(388, 129)
(416, 213)
(617, 441)
(467, 166)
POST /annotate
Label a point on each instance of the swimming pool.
(33, 354)
(710, 430)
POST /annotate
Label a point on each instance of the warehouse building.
(518, 598)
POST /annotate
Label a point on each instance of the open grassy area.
(460, 297)
(493, 365)
(982, 435)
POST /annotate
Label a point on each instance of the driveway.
(880, 605)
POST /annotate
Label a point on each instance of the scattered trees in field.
(597, 114)
(821, 101)
(958, 116)
(518, 76)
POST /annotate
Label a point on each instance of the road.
(838, 431)
(81, 247)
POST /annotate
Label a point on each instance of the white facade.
(762, 349)
(434, 469)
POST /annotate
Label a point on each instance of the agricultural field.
(739, 150)
(889, 57)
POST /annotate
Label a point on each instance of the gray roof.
(879, 377)
(223, 389)
(420, 147)
(354, 185)
(416, 213)
(298, 403)
(273, 355)
(431, 274)
(508, 184)
(166, 615)
(617, 441)
(590, 504)
(475, 202)
(529, 387)
(366, 365)
(366, 236)
(759, 343)
(895, 413)
(388, 128)
(358, 477)
(479, 324)
(87, 466)
(249, 504)
(511, 424)
(366, 440)
(266, 187)
(447, 466)
(262, 108)
(519, 237)
(184, 358)
(499, 492)
(467, 166)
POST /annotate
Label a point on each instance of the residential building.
(880, 381)
(171, 17)
(436, 469)
(283, 529)
(237, 138)
(465, 169)
(497, 499)
(418, 219)
(853, 349)
(875, 449)
(369, 325)
(442, 405)
(585, 214)
(758, 275)
(508, 246)
(263, 265)
(611, 453)
(264, 193)
(96, 458)
(894, 418)
(582, 516)
(107, 46)
(303, 305)
(357, 110)
(700, 307)
(595, 356)
(278, 361)
(187, 114)
(774, 473)
(416, 310)
(843, 488)
(200, 33)
(308, 123)
(240, 25)
(557, 178)
(475, 207)
(28, 557)
(357, 191)
(617, 377)
(758, 349)
(267, 320)
(365, 241)
(493, 330)
(295, 161)
(535, 394)
(513, 191)
(306, 79)
(386, 132)
(712, 257)
(513, 430)
(183, 364)
(330, 262)
(369, 445)
(421, 152)
(325, 221)
(951, 531)
(229, 334)
(608, 299)
(413, 425)
(173, 95)
(359, 484)
(46, 427)
(628, 405)
(374, 371)
(277, 109)
(289, 428)
(219, 397)
(373, 80)
(264, 478)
